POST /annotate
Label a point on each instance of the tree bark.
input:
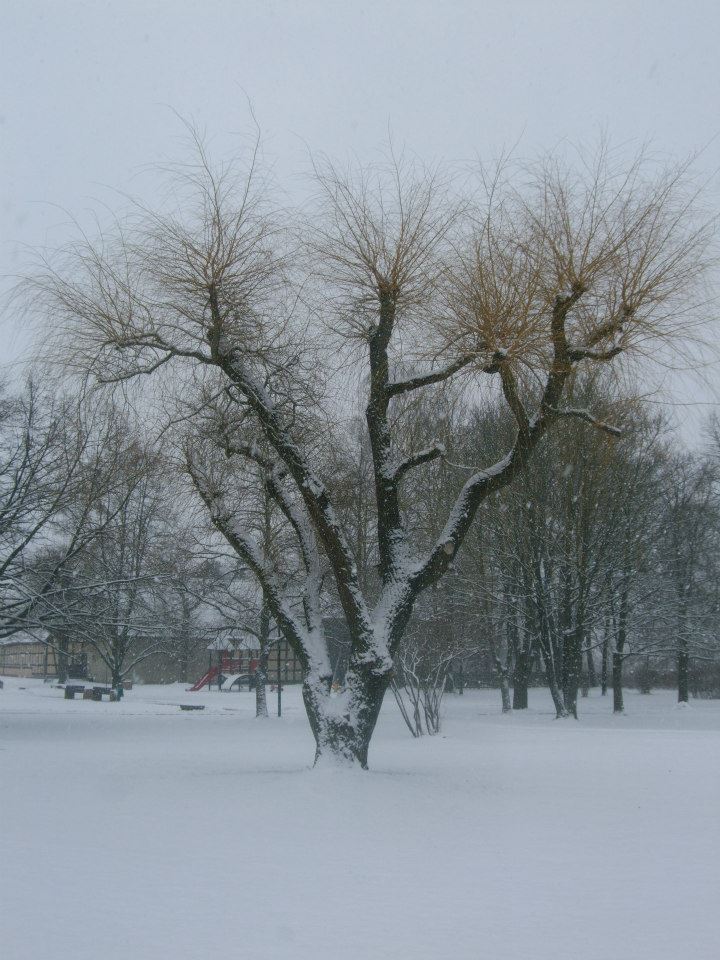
(591, 670)
(683, 673)
(505, 694)
(261, 672)
(572, 669)
(619, 653)
(605, 659)
(343, 726)
(553, 685)
(617, 665)
(521, 677)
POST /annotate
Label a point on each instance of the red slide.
(210, 675)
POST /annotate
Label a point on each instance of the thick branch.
(433, 452)
(426, 380)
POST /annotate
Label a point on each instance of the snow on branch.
(583, 414)
(433, 452)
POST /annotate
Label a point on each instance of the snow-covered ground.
(141, 832)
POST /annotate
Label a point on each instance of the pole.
(279, 680)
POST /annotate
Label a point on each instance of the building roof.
(23, 637)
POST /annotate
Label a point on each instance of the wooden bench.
(97, 693)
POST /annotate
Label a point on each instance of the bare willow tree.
(562, 268)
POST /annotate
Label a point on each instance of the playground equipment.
(235, 662)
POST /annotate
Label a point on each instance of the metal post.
(279, 680)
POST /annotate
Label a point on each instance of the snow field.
(138, 831)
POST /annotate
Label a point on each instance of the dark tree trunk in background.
(617, 665)
(572, 669)
(683, 673)
(605, 660)
(521, 678)
(683, 660)
(520, 693)
(459, 679)
(591, 671)
(619, 653)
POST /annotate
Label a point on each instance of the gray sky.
(87, 88)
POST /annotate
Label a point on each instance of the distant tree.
(58, 461)
(109, 601)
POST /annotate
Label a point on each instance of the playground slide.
(228, 682)
(210, 675)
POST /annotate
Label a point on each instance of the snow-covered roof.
(23, 637)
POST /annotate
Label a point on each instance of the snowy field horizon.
(135, 829)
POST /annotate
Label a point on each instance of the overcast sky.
(88, 87)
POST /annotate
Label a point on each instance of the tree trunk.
(591, 671)
(505, 693)
(617, 666)
(521, 677)
(552, 681)
(683, 673)
(520, 693)
(261, 672)
(618, 653)
(502, 670)
(683, 660)
(572, 669)
(343, 726)
(61, 659)
(605, 659)
(548, 650)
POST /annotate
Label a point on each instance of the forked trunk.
(343, 725)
